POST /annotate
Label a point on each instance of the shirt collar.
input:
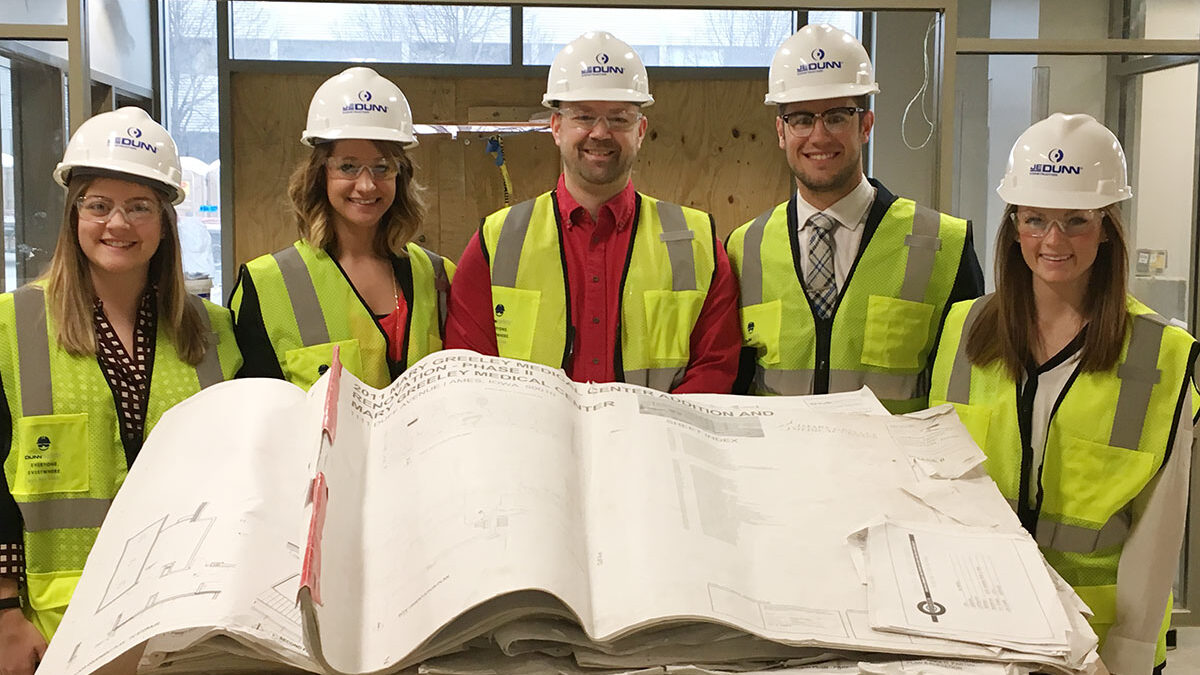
(850, 211)
(620, 206)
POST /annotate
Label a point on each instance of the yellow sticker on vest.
(52, 455)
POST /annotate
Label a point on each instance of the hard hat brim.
(1057, 199)
(314, 138)
(130, 171)
(820, 92)
(622, 95)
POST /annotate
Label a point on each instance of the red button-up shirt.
(596, 250)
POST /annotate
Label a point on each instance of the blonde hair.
(69, 283)
(313, 213)
(1006, 329)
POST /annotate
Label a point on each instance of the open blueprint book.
(482, 515)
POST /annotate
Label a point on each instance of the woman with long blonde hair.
(1081, 396)
(91, 355)
(354, 280)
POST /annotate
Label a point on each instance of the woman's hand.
(21, 645)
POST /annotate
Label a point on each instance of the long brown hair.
(1006, 329)
(71, 294)
(313, 213)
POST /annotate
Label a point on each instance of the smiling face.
(360, 202)
(597, 159)
(1057, 259)
(827, 166)
(126, 242)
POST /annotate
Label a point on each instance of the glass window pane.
(49, 12)
(119, 41)
(364, 33)
(1046, 19)
(663, 37)
(190, 104)
(1164, 19)
(7, 195)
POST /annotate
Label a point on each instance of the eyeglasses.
(349, 168)
(101, 209)
(587, 121)
(1076, 223)
(836, 120)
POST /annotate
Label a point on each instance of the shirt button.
(595, 319)
(595, 279)
(595, 362)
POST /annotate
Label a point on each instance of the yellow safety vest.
(66, 461)
(1106, 440)
(309, 307)
(667, 277)
(885, 323)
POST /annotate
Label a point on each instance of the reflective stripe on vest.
(677, 238)
(310, 319)
(799, 381)
(33, 351)
(441, 286)
(923, 245)
(208, 371)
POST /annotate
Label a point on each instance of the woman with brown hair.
(355, 279)
(1081, 397)
(91, 355)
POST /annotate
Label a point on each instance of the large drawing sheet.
(208, 540)
(484, 477)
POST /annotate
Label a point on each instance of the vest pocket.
(515, 311)
(896, 332)
(51, 590)
(51, 455)
(977, 419)
(304, 366)
(670, 316)
(760, 329)
(1089, 481)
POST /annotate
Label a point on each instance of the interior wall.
(710, 145)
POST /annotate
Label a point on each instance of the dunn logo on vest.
(43, 443)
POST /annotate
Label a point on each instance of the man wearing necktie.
(845, 284)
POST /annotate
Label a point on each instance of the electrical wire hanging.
(495, 148)
(922, 94)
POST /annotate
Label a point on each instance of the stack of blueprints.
(489, 516)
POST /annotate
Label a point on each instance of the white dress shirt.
(851, 214)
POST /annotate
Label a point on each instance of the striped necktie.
(820, 282)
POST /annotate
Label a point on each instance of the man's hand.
(21, 645)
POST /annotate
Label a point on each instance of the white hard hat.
(818, 62)
(597, 67)
(359, 103)
(1066, 162)
(125, 141)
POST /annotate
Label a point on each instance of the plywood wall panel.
(711, 145)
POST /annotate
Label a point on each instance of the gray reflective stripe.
(923, 245)
(33, 351)
(783, 382)
(1138, 376)
(751, 277)
(208, 371)
(884, 385)
(662, 379)
(507, 256)
(678, 239)
(958, 386)
(1075, 539)
(441, 284)
(1012, 503)
(58, 514)
(305, 305)
(800, 381)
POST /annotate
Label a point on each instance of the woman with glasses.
(1081, 397)
(354, 280)
(91, 355)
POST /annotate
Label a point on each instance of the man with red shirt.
(594, 277)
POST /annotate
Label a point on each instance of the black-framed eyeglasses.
(836, 120)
